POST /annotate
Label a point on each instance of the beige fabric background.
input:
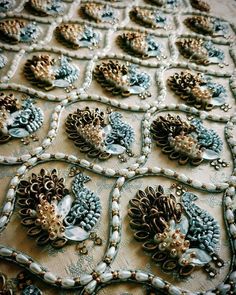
(68, 262)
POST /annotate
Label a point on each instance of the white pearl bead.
(32, 161)
(67, 282)
(38, 150)
(22, 259)
(115, 206)
(15, 180)
(5, 252)
(141, 159)
(115, 236)
(101, 267)
(111, 252)
(22, 170)
(97, 168)
(72, 158)
(116, 193)
(50, 277)
(124, 274)
(158, 283)
(142, 170)
(85, 279)
(229, 215)
(60, 156)
(91, 287)
(141, 276)
(45, 156)
(35, 268)
(232, 230)
(120, 181)
(106, 277)
(10, 194)
(7, 207)
(110, 172)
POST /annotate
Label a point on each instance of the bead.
(106, 277)
(141, 277)
(100, 268)
(22, 259)
(67, 282)
(85, 279)
(115, 237)
(124, 274)
(111, 252)
(50, 277)
(174, 291)
(91, 286)
(158, 283)
(3, 221)
(35, 268)
(5, 252)
(7, 207)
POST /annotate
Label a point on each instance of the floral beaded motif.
(52, 214)
(140, 44)
(77, 36)
(199, 51)
(207, 25)
(99, 12)
(180, 235)
(47, 72)
(185, 236)
(16, 30)
(150, 18)
(18, 120)
(200, 5)
(121, 79)
(197, 90)
(186, 142)
(45, 7)
(99, 135)
(168, 4)
(22, 283)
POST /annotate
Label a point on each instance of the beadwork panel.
(117, 147)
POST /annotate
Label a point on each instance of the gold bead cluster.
(48, 218)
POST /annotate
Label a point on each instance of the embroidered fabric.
(117, 147)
